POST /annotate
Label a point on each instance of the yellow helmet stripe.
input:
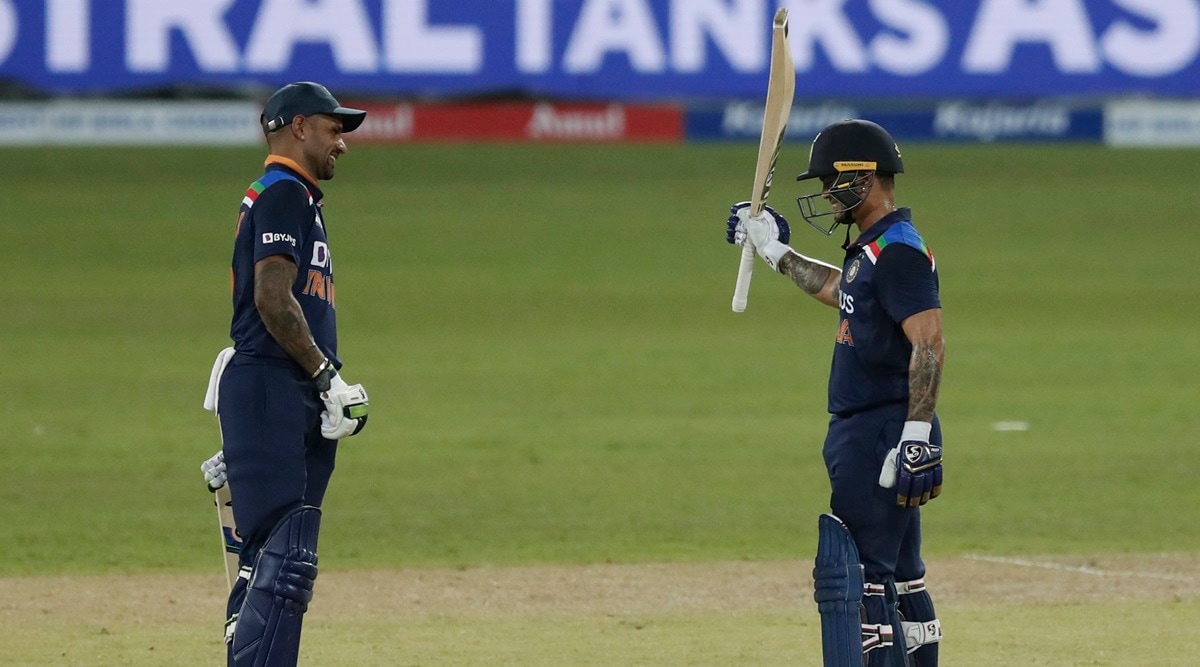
(854, 166)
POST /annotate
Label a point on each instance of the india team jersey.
(281, 215)
(889, 275)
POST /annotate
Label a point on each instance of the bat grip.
(741, 291)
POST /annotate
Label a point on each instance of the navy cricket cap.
(306, 99)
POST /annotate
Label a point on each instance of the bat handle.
(741, 291)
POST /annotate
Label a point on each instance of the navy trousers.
(888, 536)
(277, 459)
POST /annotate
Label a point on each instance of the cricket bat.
(231, 541)
(781, 88)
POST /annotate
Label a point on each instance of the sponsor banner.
(517, 122)
(951, 121)
(699, 50)
(236, 123)
(129, 123)
(1145, 123)
(742, 121)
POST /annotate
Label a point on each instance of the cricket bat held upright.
(781, 88)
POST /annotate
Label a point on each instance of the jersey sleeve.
(905, 282)
(280, 214)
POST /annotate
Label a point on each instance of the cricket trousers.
(887, 535)
(277, 459)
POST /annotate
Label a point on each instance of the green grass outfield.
(555, 374)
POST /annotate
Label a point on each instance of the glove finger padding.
(734, 233)
(904, 487)
(920, 471)
(916, 490)
(342, 428)
(778, 228)
(926, 487)
(214, 471)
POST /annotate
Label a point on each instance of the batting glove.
(346, 406)
(768, 232)
(913, 467)
(214, 471)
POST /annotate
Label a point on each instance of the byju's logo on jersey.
(269, 237)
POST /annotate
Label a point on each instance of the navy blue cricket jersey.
(281, 215)
(889, 274)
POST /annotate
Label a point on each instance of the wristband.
(774, 252)
(918, 431)
(324, 375)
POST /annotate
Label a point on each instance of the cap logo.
(861, 165)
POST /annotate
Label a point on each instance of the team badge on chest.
(852, 272)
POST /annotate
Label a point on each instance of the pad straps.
(920, 625)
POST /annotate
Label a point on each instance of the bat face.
(230, 538)
(765, 190)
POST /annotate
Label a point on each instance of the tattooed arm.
(818, 279)
(281, 313)
(924, 331)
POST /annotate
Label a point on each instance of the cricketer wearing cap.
(883, 448)
(282, 402)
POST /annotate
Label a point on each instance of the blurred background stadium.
(534, 287)
(1112, 71)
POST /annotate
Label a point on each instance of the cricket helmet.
(847, 151)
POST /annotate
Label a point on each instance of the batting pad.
(838, 584)
(280, 587)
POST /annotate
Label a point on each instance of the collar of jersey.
(876, 230)
(280, 162)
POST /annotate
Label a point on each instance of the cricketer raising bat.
(781, 88)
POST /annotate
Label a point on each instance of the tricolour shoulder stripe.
(903, 233)
(268, 179)
(871, 250)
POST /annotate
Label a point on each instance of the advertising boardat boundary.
(613, 49)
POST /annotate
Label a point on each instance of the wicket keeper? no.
(883, 450)
(282, 404)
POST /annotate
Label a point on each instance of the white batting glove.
(887, 476)
(346, 405)
(768, 232)
(214, 471)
